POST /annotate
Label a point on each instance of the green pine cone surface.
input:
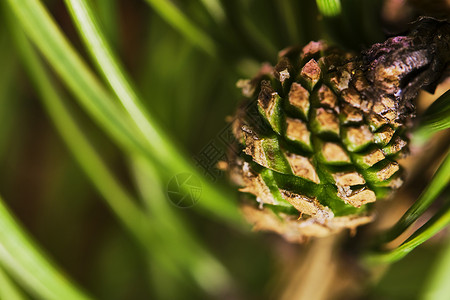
(312, 151)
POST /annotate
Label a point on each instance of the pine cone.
(318, 135)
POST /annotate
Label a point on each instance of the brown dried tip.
(298, 231)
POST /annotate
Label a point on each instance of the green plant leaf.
(168, 11)
(23, 259)
(148, 230)
(108, 11)
(8, 79)
(108, 64)
(439, 181)
(215, 9)
(329, 8)
(175, 234)
(8, 290)
(42, 30)
(121, 202)
(250, 35)
(427, 231)
(289, 17)
(435, 118)
(437, 287)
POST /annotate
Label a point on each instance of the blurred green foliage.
(73, 178)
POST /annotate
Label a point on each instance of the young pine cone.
(318, 135)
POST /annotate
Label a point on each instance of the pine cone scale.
(320, 134)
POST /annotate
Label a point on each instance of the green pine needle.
(435, 118)
(186, 27)
(137, 134)
(440, 181)
(25, 261)
(329, 8)
(8, 289)
(437, 287)
(427, 231)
